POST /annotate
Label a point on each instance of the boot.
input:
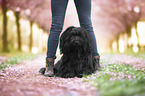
(96, 62)
(49, 68)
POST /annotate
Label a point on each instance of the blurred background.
(119, 25)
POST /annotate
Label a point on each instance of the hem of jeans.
(97, 54)
(50, 57)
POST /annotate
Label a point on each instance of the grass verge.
(14, 58)
(140, 54)
(118, 80)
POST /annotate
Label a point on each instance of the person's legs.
(84, 14)
(58, 9)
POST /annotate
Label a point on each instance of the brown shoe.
(96, 62)
(49, 68)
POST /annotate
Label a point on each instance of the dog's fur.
(77, 60)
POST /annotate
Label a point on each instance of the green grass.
(118, 80)
(140, 54)
(14, 58)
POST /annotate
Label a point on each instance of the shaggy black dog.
(77, 60)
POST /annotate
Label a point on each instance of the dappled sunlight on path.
(24, 80)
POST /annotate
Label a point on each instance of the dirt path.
(24, 80)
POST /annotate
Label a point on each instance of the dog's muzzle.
(76, 41)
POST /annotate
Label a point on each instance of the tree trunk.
(128, 31)
(117, 41)
(138, 45)
(31, 36)
(17, 16)
(111, 48)
(5, 41)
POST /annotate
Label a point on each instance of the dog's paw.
(80, 75)
(69, 75)
(42, 70)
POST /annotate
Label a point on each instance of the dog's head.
(75, 39)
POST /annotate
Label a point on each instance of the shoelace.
(50, 64)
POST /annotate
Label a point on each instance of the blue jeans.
(58, 9)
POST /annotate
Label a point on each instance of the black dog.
(77, 60)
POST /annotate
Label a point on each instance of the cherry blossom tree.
(5, 32)
(36, 11)
(118, 16)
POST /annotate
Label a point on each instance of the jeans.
(58, 9)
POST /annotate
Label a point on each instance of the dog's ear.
(66, 31)
(64, 37)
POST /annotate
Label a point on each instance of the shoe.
(49, 72)
(96, 62)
